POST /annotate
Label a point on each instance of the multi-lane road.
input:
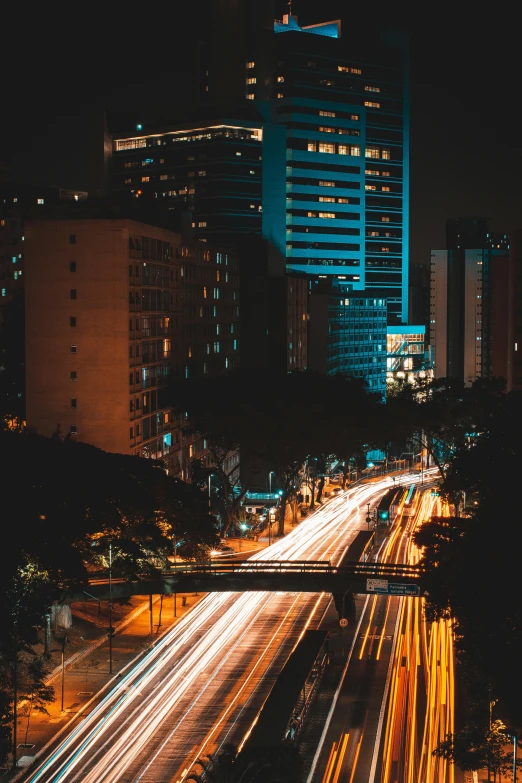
(204, 683)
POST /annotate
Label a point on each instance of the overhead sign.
(377, 586)
(404, 590)
(383, 587)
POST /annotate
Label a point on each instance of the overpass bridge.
(307, 576)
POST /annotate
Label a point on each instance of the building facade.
(347, 334)
(116, 311)
(463, 281)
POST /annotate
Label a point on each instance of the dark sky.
(62, 67)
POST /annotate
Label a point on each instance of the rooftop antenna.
(289, 4)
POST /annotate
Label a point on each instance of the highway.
(394, 702)
(205, 681)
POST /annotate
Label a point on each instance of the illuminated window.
(355, 150)
(385, 219)
(217, 275)
(280, 95)
(250, 65)
(354, 117)
(371, 172)
(373, 233)
(386, 154)
(370, 187)
(371, 89)
(326, 82)
(250, 96)
(343, 200)
(128, 181)
(280, 78)
(202, 224)
(252, 171)
(326, 147)
(312, 214)
(385, 173)
(343, 149)
(372, 152)
(326, 214)
(204, 292)
(385, 249)
(385, 188)
(327, 114)
(216, 347)
(356, 70)
(312, 147)
(40, 201)
(326, 183)
(371, 105)
(251, 80)
(202, 173)
(327, 198)
(326, 129)
(145, 179)
(343, 68)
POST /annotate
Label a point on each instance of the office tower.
(408, 356)
(105, 302)
(347, 333)
(461, 310)
(318, 165)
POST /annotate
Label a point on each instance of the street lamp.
(368, 516)
(110, 609)
(270, 482)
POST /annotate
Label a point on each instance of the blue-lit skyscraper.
(302, 137)
(345, 107)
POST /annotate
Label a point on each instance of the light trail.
(203, 682)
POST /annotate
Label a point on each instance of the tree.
(12, 361)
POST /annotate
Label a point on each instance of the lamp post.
(368, 516)
(110, 609)
(209, 477)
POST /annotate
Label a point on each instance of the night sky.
(62, 68)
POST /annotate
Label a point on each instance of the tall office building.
(309, 148)
(464, 278)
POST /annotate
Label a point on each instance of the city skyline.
(465, 158)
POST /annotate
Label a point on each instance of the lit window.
(371, 89)
(312, 147)
(370, 187)
(356, 70)
(327, 114)
(385, 173)
(40, 201)
(216, 347)
(372, 105)
(280, 79)
(326, 183)
(343, 200)
(386, 154)
(327, 198)
(312, 214)
(250, 65)
(372, 152)
(250, 96)
(280, 95)
(355, 151)
(372, 173)
(385, 219)
(145, 179)
(326, 129)
(128, 181)
(326, 147)
(386, 189)
(202, 224)
(162, 176)
(204, 292)
(202, 173)
(326, 214)
(343, 68)
(251, 80)
(385, 249)
(252, 171)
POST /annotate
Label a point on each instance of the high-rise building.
(347, 334)
(309, 148)
(116, 310)
(462, 295)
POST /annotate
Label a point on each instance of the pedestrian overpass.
(303, 576)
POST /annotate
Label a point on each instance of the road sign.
(343, 622)
(404, 590)
(377, 586)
